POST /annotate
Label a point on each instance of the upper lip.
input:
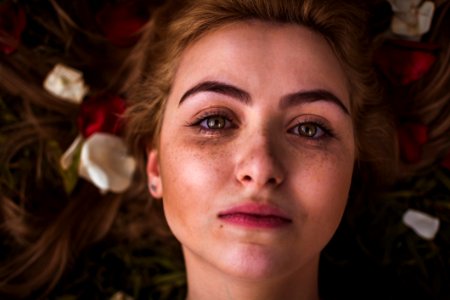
(259, 209)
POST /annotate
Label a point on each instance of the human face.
(256, 150)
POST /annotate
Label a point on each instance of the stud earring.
(152, 187)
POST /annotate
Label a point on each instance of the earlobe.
(153, 174)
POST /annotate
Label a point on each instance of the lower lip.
(255, 221)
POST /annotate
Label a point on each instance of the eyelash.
(209, 115)
(327, 132)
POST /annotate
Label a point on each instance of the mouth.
(255, 216)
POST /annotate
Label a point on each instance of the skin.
(259, 156)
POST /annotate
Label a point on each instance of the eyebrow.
(312, 96)
(217, 87)
(287, 101)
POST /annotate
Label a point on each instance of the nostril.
(272, 180)
(249, 179)
(246, 178)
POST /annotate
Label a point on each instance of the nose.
(259, 162)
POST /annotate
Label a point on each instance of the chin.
(256, 262)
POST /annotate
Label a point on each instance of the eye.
(309, 130)
(214, 122)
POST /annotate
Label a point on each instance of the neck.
(204, 282)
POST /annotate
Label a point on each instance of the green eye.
(214, 122)
(308, 130)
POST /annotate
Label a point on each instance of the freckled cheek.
(193, 180)
(322, 183)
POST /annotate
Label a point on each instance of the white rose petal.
(426, 13)
(410, 20)
(120, 296)
(67, 158)
(104, 162)
(404, 5)
(423, 224)
(66, 83)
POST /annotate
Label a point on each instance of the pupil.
(308, 130)
(216, 123)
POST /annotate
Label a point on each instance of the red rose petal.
(412, 136)
(404, 62)
(12, 24)
(121, 22)
(101, 113)
(446, 162)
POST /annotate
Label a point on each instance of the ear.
(153, 174)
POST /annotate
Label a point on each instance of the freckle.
(221, 226)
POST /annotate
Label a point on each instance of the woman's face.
(256, 150)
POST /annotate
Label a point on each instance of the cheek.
(192, 177)
(324, 192)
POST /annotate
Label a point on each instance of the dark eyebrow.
(244, 97)
(312, 96)
(217, 87)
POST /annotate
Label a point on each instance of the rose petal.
(422, 224)
(403, 5)
(121, 22)
(120, 296)
(100, 113)
(104, 162)
(67, 158)
(410, 20)
(404, 62)
(412, 137)
(12, 24)
(446, 161)
(426, 12)
(66, 83)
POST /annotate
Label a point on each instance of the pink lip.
(255, 215)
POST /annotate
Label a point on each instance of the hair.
(427, 100)
(147, 73)
(43, 227)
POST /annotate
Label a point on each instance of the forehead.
(263, 57)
